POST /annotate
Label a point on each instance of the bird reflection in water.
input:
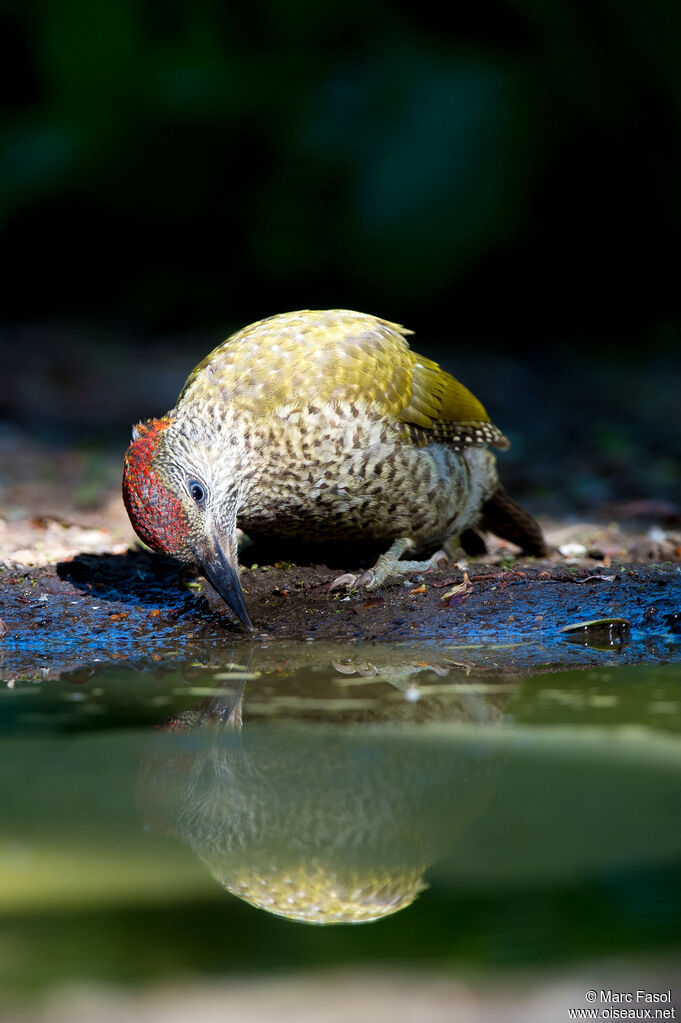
(315, 820)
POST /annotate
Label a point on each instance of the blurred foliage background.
(502, 177)
(507, 169)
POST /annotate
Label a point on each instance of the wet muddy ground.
(137, 607)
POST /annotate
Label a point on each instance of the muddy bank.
(600, 472)
(137, 607)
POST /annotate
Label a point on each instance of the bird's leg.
(388, 565)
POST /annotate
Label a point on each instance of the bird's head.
(179, 506)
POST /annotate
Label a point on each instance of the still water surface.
(198, 819)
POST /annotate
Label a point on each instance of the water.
(325, 805)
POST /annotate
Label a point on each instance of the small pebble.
(573, 550)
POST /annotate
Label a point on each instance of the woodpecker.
(321, 426)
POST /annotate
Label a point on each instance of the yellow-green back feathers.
(312, 357)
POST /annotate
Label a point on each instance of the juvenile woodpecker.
(321, 426)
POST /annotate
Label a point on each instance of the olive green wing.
(313, 357)
(441, 408)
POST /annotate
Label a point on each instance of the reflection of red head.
(157, 516)
(161, 777)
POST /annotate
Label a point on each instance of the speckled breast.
(339, 474)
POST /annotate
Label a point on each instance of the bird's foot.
(348, 581)
(388, 565)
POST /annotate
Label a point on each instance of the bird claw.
(350, 581)
(343, 582)
(387, 566)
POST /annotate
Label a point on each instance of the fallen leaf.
(591, 578)
(460, 588)
(598, 623)
(419, 589)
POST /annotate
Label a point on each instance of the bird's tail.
(506, 518)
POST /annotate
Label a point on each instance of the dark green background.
(506, 170)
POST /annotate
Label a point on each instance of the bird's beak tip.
(223, 577)
(246, 620)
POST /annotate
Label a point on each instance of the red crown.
(157, 516)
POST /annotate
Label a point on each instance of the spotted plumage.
(337, 356)
(315, 425)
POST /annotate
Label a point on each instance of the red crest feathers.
(157, 516)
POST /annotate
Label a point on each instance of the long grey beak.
(222, 576)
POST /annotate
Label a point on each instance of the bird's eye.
(197, 491)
